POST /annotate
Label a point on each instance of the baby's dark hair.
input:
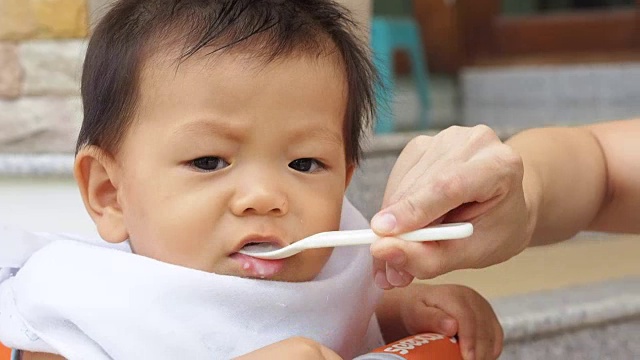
(266, 29)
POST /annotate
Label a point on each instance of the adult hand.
(460, 174)
(293, 348)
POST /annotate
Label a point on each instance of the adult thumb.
(408, 214)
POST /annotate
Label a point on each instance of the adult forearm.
(620, 142)
(565, 180)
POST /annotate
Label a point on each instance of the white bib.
(87, 301)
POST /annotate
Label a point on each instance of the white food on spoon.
(259, 247)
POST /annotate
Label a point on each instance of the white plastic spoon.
(269, 251)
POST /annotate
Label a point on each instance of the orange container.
(5, 353)
(416, 347)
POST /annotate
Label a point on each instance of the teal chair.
(392, 30)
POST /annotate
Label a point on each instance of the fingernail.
(397, 259)
(383, 223)
(380, 279)
(395, 277)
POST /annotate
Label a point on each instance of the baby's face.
(225, 151)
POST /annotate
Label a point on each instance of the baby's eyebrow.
(233, 130)
(322, 133)
(206, 127)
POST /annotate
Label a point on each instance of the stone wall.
(42, 45)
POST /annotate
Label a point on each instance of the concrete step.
(590, 322)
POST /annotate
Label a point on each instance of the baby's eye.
(209, 163)
(306, 165)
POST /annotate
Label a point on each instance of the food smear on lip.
(258, 268)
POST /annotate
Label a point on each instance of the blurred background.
(510, 64)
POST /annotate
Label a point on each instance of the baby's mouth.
(261, 247)
(259, 268)
(261, 243)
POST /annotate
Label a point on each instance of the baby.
(210, 126)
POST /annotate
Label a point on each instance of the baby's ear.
(97, 175)
(351, 168)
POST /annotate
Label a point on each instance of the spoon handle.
(363, 237)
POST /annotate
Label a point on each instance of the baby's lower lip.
(259, 268)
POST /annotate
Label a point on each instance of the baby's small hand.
(451, 310)
(25, 355)
(293, 348)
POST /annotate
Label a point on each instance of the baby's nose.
(260, 198)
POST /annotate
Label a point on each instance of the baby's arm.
(293, 348)
(443, 309)
(39, 356)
